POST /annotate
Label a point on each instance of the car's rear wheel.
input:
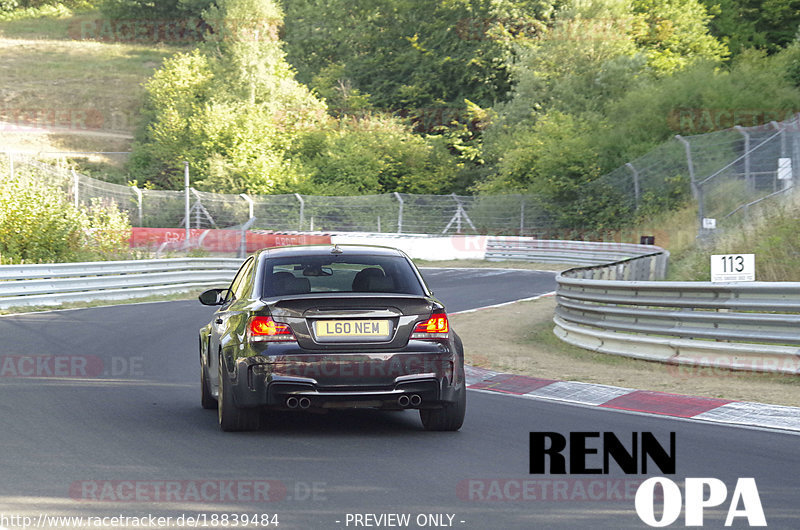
(206, 398)
(232, 418)
(448, 418)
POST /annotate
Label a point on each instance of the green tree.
(154, 9)
(675, 33)
(409, 54)
(230, 108)
(766, 24)
(374, 154)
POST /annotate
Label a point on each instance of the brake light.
(435, 327)
(264, 329)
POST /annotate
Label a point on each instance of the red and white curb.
(640, 401)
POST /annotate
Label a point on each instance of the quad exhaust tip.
(415, 400)
(292, 402)
(304, 402)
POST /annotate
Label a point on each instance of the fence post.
(198, 207)
(187, 208)
(778, 128)
(302, 210)
(458, 214)
(249, 203)
(635, 174)
(689, 163)
(399, 213)
(697, 192)
(782, 129)
(138, 193)
(75, 183)
(522, 216)
(243, 239)
(748, 178)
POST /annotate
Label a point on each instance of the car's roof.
(328, 250)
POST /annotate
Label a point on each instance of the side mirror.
(213, 297)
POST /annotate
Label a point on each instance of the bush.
(11, 5)
(372, 155)
(38, 225)
(109, 230)
(151, 9)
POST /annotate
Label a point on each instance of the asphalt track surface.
(114, 441)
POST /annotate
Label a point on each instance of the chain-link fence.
(737, 169)
(727, 171)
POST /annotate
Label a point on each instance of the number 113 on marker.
(733, 268)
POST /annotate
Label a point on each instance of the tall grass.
(771, 231)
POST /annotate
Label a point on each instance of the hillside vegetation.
(541, 97)
(81, 95)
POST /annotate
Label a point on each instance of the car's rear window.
(339, 274)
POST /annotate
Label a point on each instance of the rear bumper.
(349, 381)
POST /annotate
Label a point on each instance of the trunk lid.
(352, 322)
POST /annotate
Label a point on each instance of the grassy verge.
(528, 346)
(86, 92)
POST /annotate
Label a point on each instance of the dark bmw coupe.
(326, 327)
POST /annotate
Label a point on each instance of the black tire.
(232, 418)
(208, 401)
(448, 418)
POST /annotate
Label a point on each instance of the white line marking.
(552, 293)
(718, 423)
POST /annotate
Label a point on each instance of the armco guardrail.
(744, 326)
(50, 284)
(502, 248)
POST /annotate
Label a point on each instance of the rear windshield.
(340, 274)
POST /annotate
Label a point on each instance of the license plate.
(352, 329)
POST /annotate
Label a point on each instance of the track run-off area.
(101, 417)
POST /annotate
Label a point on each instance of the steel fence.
(618, 309)
(736, 169)
(505, 248)
(728, 172)
(53, 284)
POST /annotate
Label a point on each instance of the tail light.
(264, 329)
(435, 327)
